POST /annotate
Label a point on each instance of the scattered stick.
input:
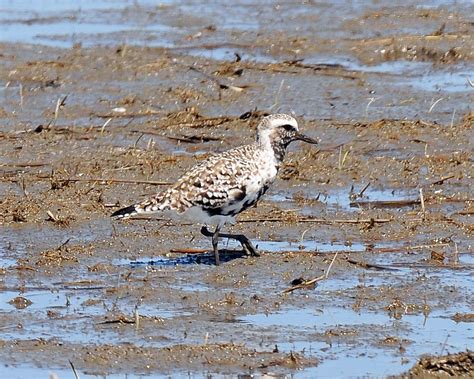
(220, 84)
(21, 96)
(435, 265)
(60, 103)
(23, 187)
(434, 104)
(309, 283)
(105, 124)
(277, 96)
(194, 139)
(371, 100)
(442, 180)
(324, 221)
(52, 216)
(412, 38)
(112, 180)
(456, 254)
(119, 320)
(452, 118)
(197, 123)
(361, 193)
(24, 164)
(422, 201)
(384, 203)
(104, 181)
(63, 244)
(137, 318)
(149, 112)
(369, 265)
(76, 375)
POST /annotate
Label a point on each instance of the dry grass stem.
(105, 124)
(76, 375)
(422, 201)
(434, 104)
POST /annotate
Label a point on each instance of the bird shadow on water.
(186, 259)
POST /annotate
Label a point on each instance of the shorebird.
(224, 185)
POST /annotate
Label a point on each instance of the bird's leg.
(215, 241)
(244, 241)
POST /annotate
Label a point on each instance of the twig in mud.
(371, 100)
(137, 318)
(406, 248)
(435, 265)
(76, 375)
(361, 193)
(220, 84)
(456, 254)
(150, 144)
(324, 221)
(422, 201)
(369, 265)
(302, 237)
(112, 180)
(452, 118)
(60, 103)
(434, 104)
(384, 203)
(21, 96)
(277, 96)
(138, 139)
(444, 344)
(24, 164)
(111, 205)
(328, 69)
(105, 124)
(309, 283)
(408, 38)
(148, 112)
(119, 320)
(194, 139)
(23, 187)
(52, 216)
(198, 123)
(342, 157)
(63, 244)
(442, 180)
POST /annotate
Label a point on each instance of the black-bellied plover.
(216, 190)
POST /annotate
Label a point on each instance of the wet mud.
(367, 239)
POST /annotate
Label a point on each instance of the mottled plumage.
(223, 185)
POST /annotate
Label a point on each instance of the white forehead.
(276, 120)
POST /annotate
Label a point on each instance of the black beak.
(301, 137)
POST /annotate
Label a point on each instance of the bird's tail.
(148, 206)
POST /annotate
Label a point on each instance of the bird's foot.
(247, 245)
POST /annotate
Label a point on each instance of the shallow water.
(433, 333)
(130, 268)
(63, 24)
(348, 199)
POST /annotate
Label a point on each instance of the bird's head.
(279, 130)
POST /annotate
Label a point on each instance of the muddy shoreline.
(86, 129)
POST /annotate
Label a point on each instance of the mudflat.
(367, 239)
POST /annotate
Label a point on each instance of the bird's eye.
(288, 127)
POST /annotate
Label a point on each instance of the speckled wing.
(220, 184)
(224, 185)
